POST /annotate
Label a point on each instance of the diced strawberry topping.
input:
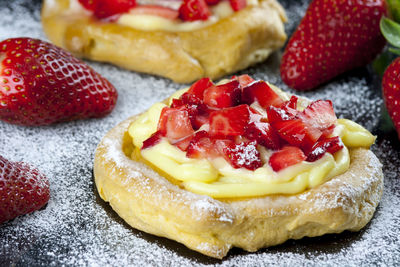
(197, 89)
(154, 139)
(229, 121)
(175, 123)
(202, 146)
(319, 114)
(155, 10)
(244, 79)
(238, 4)
(183, 144)
(243, 155)
(260, 91)
(330, 145)
(297, 133)
(212, 2)
(223, 96)
(108, 8)
(287, 156)
(192, 10)
(287, 111)
(264, 134)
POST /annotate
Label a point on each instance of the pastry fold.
(231, 44)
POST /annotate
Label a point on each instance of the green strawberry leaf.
(394, 7)
(382, 62)
(395, 50)
(391, 31)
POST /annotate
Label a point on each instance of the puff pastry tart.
(183, 41)
(239, 163)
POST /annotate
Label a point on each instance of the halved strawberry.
(192, 10)
(108, 8)
(229, 121)
(244, 79)
(287, 111)
(297, 133)
(243, 155)
(330, 145)
(287, 156)
(175, 123)
(264, 134)
(223, 96)
(261, 92)
(238, 4)
(154, 139)
(155, 10)
(319, 114)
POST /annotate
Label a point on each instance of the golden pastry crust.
(149, 202)
(231, 44)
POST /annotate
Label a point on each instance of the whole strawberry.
(391, 92)
(42, 84)
(23, 189)
(333, 37)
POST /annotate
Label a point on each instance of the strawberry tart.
(239, 164)
(181, 40)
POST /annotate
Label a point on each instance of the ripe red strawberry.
(192, 10)
(391, 92)
(154, 139)
(223, 96)
(287, 156)
(197, 89)
(260, 91)
(243, 79)
(229, 121)
(333, 37)
(330, 145)
(23, 189)
(243, 155)
(201, 146)
(42, 84)
(287, 111)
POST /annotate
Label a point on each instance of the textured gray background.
(78, 228)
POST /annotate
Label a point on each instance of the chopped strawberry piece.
(287, 111)
(330, 145)
(223, 96)
(197, 89)
(287, 156)
(326, 133)
(319, 114)
(191, 99)
(155, 10)
(229, 121)
(199, 120)
(183, 144)
(176, 103)
(297, 133)
(192, 10)
(175, 123)
(202, 146)
(264, 134)
(108, 8)
(261, 92)
(238, 4)
(154, 139)
(212, 2)
(243, 155)
(244, 79)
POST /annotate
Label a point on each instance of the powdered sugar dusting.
(77, 228)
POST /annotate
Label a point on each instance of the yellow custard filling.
(217, 178)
